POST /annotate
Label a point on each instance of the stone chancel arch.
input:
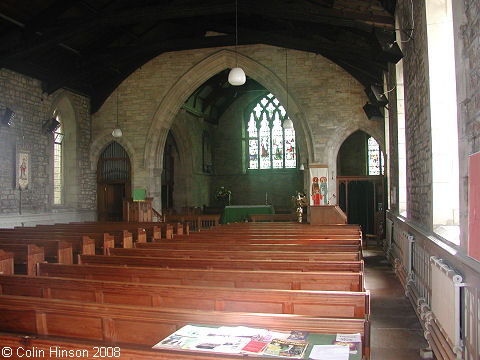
(197, 75)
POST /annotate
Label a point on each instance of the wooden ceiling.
(90, 46)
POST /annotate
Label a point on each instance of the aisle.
(396, 333)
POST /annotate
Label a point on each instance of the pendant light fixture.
(287, 123)
(117, 132)
(236, 76)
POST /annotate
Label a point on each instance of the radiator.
(387, 246)
(402, 251)
(445, 304)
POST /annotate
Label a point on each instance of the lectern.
(327, 214)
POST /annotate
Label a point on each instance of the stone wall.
(392, 153)
(24, 96)
(325, 102)
(417, 113)
(249, 187)
(467, 46)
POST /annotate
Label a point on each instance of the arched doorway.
(113, 182)
(360, 182)
(168, 174)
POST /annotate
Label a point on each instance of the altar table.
(238, 213)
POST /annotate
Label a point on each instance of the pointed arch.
(201, 72)
(335, 142)
(101, 142)
(62, 106)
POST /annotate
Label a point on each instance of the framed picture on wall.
(22, 169)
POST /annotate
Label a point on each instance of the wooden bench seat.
(225, 240)
(80, 244)
(277, 227)
(239, 254)
(25, 257)
(152, 229)
(138, 234)
(102, 241)
(124, 324)
(55, 250)
(272, 217)
(196, 222)
(340, 304)
(122, 238)
(286, 280)
(285, 236)
(6, 263)
(197, 245)
(288, 265)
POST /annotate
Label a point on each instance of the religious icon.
(22, 170)
(323, 190)
(315, 191)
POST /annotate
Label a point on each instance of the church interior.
(308, 165)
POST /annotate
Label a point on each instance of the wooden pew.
(339, 304)
(196, 222)
(137, 325)
(122, 238)
(152, 230)
(272, 217)
(176, 245)
(289, 265)
(6, 263)
(283, 280)
(281, 228)
(25, 257)
(311, 256)
(241, 240)
(55, 250)
(82, 243)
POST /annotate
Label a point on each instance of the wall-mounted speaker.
(372, 111)
(50, 125)
(8, 117)
(376, 95)
(390, 51)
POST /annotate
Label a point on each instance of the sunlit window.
(443, 114)
(375, 158)
(58, 164)
(271, 144)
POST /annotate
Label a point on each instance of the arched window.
(58, 136)
(375, 158)
(271, 140)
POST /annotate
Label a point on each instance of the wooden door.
(113, 182)
(113, 205)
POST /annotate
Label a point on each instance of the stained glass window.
(375, 158)
(58, 164)
(270, 145)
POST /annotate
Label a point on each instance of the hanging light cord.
(117, 108)
(286, 78)
(236, 32)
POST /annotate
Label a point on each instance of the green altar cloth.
(238, 213)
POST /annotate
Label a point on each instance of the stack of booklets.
(239, 340)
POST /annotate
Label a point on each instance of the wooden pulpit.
(137, 211)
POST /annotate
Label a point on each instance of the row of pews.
(279, 276)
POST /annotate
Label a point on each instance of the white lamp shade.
(288, 124)
(117, 132)
(302, 167)
(236, 76)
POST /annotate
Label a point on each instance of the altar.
(238, 213)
